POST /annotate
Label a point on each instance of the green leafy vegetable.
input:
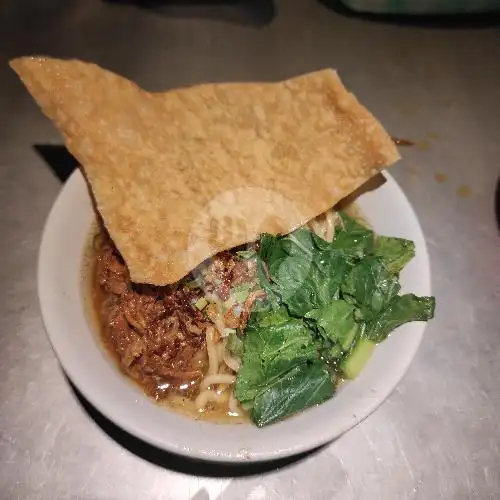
(272, 298)
(303, 242)
(305, 271)
(234, 344)
(336, 323)
(326, 307)
(394, 252)
(372, 287)
(303, 386)
(246, 254)
(270, 350)
(356, 361)
(353, 238)
(293, 285)
(271, 251)
(274, 317)
(402, 309)
(331, 267)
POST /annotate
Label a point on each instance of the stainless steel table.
(438, 435)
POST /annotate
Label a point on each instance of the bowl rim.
(314, 439)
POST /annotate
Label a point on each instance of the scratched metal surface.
(438, 435)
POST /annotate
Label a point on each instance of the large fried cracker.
(181, 175)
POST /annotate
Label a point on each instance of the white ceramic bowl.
(61, 298)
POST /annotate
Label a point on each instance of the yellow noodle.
(220, 347)
(209, 396)
(219, 378)
(213, 361)
(234, 406)
(233, 362)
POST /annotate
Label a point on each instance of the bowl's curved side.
(61, 300)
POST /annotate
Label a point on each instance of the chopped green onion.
(201, 303)
(240, 292)
(246, 254)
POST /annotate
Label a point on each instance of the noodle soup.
(258, 332)
(172, 341)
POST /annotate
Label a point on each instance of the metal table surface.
(438, 435)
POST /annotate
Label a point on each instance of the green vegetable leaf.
(305, 271)
(307, 282)
(249, 381)
(305, 285)
(285, 343)
(270, 349)
(394, 252)
(271, 251)
(336, 322)
(246, 254)
(330, 270)
(303, 386)
(272, 298)
(274, 317)
(296, 288)
(402, 309)
(234, 344)
(303, 242)
(353, 238)
(372, 287)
